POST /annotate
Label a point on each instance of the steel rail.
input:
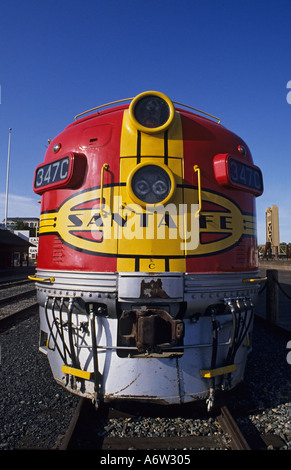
(228, 424)
(21, 295)
(65, 440)
(13, 283)
(8, 320)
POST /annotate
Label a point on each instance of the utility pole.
(7, 177)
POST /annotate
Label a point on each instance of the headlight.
(151, 112)
(151, 184)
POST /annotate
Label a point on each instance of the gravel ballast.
(34, 410)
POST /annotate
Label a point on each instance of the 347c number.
(51, 173)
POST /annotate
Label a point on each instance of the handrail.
(197, 169)
(104, 167)
(41, 279)
(102, 106)
(199, 111)
(128, 99)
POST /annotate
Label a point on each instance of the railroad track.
(17, 296)
(86, 419)
(13, 283)
(16, 304)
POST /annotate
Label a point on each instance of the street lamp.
(7, 178)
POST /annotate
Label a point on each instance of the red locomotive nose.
(147, 259)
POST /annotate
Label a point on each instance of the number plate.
(57, 174)
(230, 171)
(244, 175)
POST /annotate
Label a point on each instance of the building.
(13, 250)
(31, 222)
(33, 249)
(25, 228)
(272, 228)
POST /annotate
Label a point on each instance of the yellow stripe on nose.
(163, 148)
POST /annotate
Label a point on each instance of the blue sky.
(231, 58)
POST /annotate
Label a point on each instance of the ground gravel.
(268, 378)
(34, 410)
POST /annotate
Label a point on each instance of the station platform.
(280, 264)
(16, 273)
(284, 278)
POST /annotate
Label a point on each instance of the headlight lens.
(151, 184)
(151, 112)
(141, 187)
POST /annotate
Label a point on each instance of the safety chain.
(282, 290)
(280, 287)
(263, 288)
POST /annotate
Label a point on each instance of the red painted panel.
(98, 139)
(203, 140)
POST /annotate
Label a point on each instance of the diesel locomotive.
(147, 270)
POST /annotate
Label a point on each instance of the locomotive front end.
(147, 268)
